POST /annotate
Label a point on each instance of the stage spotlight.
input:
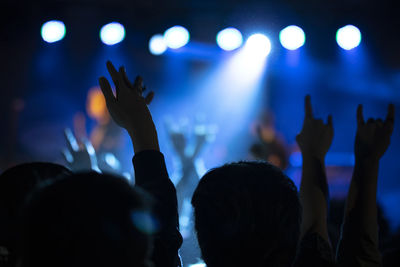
(348, 37)
(292, 37)
(176, 37)
(229, 39)
(112, 33)
(53, 31)
(157, 44)
(258, 45)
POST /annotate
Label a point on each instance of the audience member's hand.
(129, 108)
(80, 157)
(373, 136)
(316, 137)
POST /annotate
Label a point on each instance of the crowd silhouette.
(246, 213)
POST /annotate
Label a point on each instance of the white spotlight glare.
(258, 45)
(292, 37)
(176, 37)
(229, 39)
(53, 31)
(112, 33)
(348, 37)
(157, 44)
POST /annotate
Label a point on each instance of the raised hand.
(79, 156)
(360, 222)
(129, 108)
(316, 137)
(314, 140)
(373, 136)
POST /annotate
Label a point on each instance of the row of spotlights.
(174, 38)
(291, 37)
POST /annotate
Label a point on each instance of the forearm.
(145, 139)
(362, 193)
(314, 196)
(359, 238)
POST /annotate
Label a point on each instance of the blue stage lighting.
(229, 39)
(348, 37)
(258, 45)
(157, 44)
(176, 37)
(292, 37)
(53, 31)
(112, 33)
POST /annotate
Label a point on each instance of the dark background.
(44, 85)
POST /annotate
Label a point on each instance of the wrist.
(366, 162)
(144, 141)
(366, 172)
(312, 158)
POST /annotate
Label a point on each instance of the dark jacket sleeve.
(151, 175)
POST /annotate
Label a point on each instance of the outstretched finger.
(390, 115)
(106, 89)
(138, 84)
(122, 72)
(113, 73)
(360, 116)
(72, 144)
(389, 121)
(89, 147)
(149, 97)
(115, 76)
(67, 156)
(308, 107)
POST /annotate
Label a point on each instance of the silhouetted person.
(87, 219)
(16, 184)
(247, 214)
(187, 154)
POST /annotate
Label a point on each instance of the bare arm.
(314, 140)
(359, 243)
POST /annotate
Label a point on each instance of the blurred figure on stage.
(188, 142)
(271, 146)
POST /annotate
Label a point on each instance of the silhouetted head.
(15, 185)
(87, 219)
(247, 214)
